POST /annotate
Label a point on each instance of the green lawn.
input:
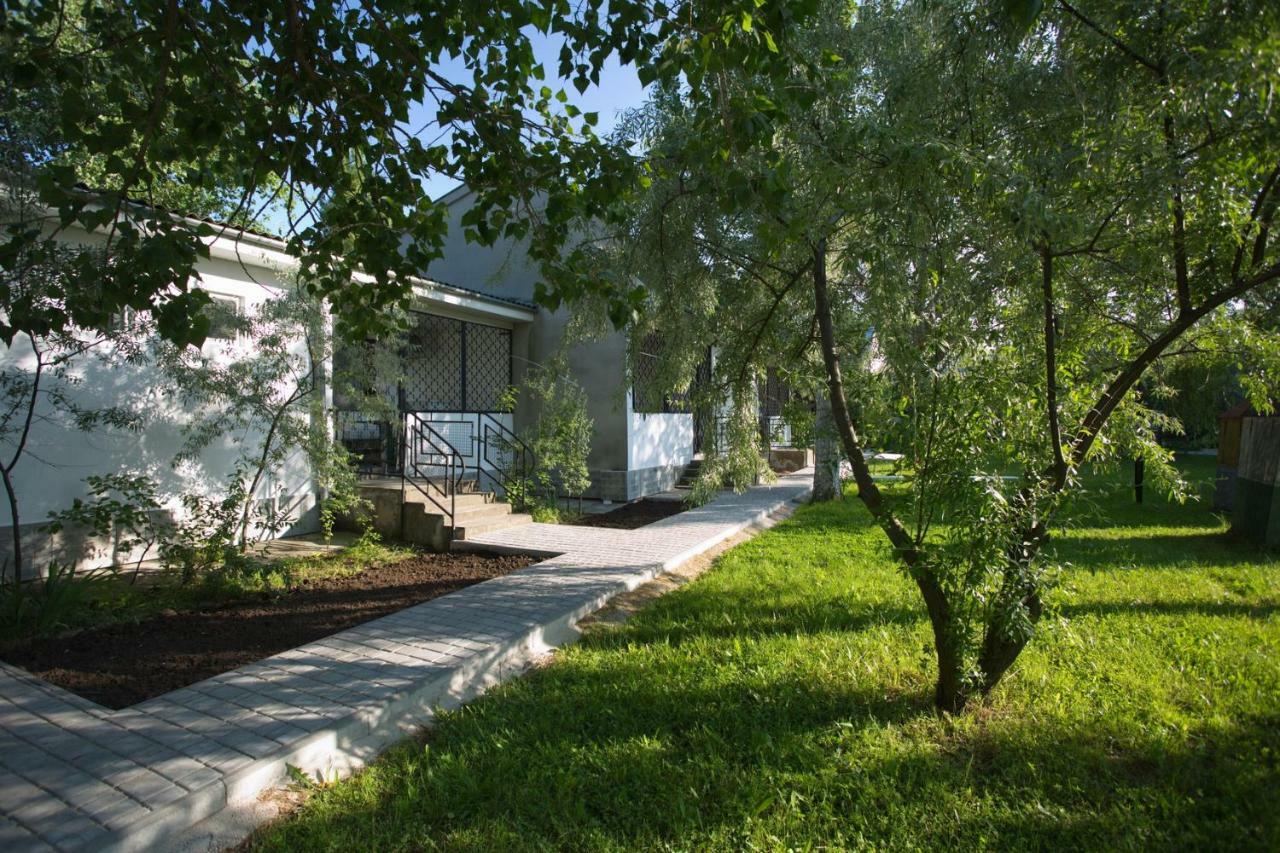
(783, 701)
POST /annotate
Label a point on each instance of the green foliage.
(120, 505)
(547, 512)
(205, 537)
(738, 461)
(797, 414)
(559, 439)
(783, 701)
(366, 551)
(1194, 393)
(1017, 229)
(44, 606)
(311, 109)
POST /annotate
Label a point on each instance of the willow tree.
(1031, 217)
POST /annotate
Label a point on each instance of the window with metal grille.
(646, 393)
(454, 366)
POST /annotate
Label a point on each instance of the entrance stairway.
(403, 511)
(438, 496)
(690, 474)
(475, 512)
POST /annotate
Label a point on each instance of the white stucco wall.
(59, 457)
(658, 440)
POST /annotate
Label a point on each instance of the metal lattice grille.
(646, 396)
(432, 366)
(461, 435)
(454, 366)
(646, 390)
(488, 371)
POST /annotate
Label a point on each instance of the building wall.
(599, 366)
(51, 475)
(1256, 514)
(659, 440)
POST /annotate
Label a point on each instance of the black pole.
(1138, 466)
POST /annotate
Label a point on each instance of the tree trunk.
(16, 538)
(826, 454)
(951, 693)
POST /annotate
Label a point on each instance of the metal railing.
(503, 457)
(432, 465)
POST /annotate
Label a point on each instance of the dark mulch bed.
(633, 515)
(119, 665)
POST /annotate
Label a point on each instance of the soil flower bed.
(121, 664)
(633, 515)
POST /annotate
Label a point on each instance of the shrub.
(43, 606)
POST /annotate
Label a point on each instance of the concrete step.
(462, 501)
(465, 486)
(689, 474)
(488, 525)
(477, 512)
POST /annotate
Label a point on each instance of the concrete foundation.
(613, 485)
(788, 459)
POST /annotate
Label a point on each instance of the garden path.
(186, 770)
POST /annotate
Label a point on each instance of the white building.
(478, 334)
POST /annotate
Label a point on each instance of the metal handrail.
(489, 425)
(418, 432)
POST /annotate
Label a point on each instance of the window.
(224, 313)
(451, 365)
(646, 393)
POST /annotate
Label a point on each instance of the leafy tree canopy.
(280, 100)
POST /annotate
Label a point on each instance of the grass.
(100, 598)
(782, 701)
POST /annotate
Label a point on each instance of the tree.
(826, 454)
(1029, 218)
(279, 102)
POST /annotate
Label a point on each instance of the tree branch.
(1097, 417)
(1051, 368)
(1150, 65)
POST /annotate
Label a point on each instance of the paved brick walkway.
(76, 776)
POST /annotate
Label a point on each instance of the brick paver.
(76, 776)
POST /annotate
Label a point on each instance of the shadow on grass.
(1224, 609)
(1081, 789)
(639, 757)
(1158, 551)
(630, 753)
(702, 616)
